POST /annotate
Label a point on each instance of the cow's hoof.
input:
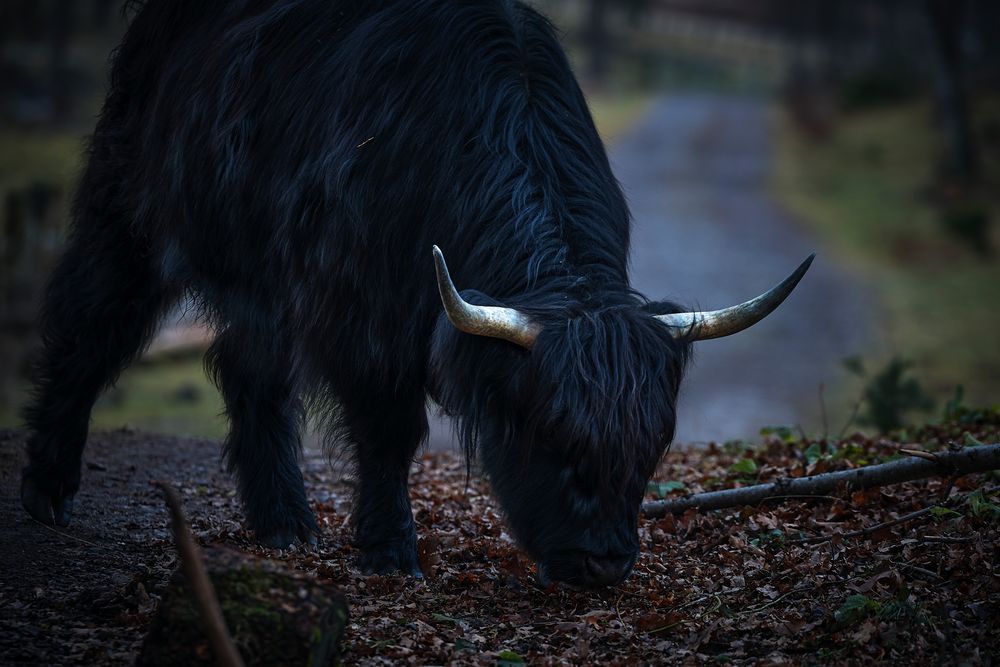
(48, 509)
(389, 559)
(287, 537)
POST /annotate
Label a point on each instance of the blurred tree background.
(886, 126)
(54, 62)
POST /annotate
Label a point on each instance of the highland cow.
(290, 164)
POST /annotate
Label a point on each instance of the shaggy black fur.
(290, 163)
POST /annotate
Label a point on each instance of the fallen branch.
(204, 594)
(980, 458)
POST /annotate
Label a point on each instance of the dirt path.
(708, 234)
(84, 595)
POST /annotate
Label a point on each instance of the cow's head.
(570, 421)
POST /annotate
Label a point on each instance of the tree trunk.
(598, 42)
(226, 608)
(103, 11)
(63, 21)
(947, 21)
(980, 458)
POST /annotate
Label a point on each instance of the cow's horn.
(725, 322)
(492, 321)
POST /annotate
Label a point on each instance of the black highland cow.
(291, 164)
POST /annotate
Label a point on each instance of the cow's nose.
(607, 570)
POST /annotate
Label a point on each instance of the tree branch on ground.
(204, 594)
(980, 458)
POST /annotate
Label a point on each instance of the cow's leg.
(386, 431)
(263, 445)
(103, 302)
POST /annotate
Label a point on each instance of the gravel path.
(707, 233)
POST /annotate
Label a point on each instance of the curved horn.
(492, 321)
(725, 322)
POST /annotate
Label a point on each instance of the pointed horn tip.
(440, 265)
(797, 275)
(446, 288)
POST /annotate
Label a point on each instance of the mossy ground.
(274, 616)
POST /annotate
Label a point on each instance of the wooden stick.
(980, 458)
(204, 594)
(929, 456)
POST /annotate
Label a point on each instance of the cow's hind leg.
(385, 430)
(103, 302)
(263, 446)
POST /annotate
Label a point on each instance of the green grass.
(871, 192)
(164, 397)
(615, 113)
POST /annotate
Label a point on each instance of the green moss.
(270, 621)
(243, 596)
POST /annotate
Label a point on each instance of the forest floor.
(732, 586)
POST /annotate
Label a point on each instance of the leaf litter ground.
(740, 586)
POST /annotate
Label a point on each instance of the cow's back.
(306, 154)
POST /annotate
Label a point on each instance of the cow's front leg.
(386, 432)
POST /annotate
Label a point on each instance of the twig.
(204, 594)
(865, 531)
(969, 460)
(62, 534)
(702, 598)
(822, 408)
(921, 570)
(946, 491)
(619, 613)
(666, 627)
(718, 605)
(800, 589)
(802, 432)
(944, 539)
(927, 456)
(850, 420)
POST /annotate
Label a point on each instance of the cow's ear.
(507, 324)
(662, 307)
